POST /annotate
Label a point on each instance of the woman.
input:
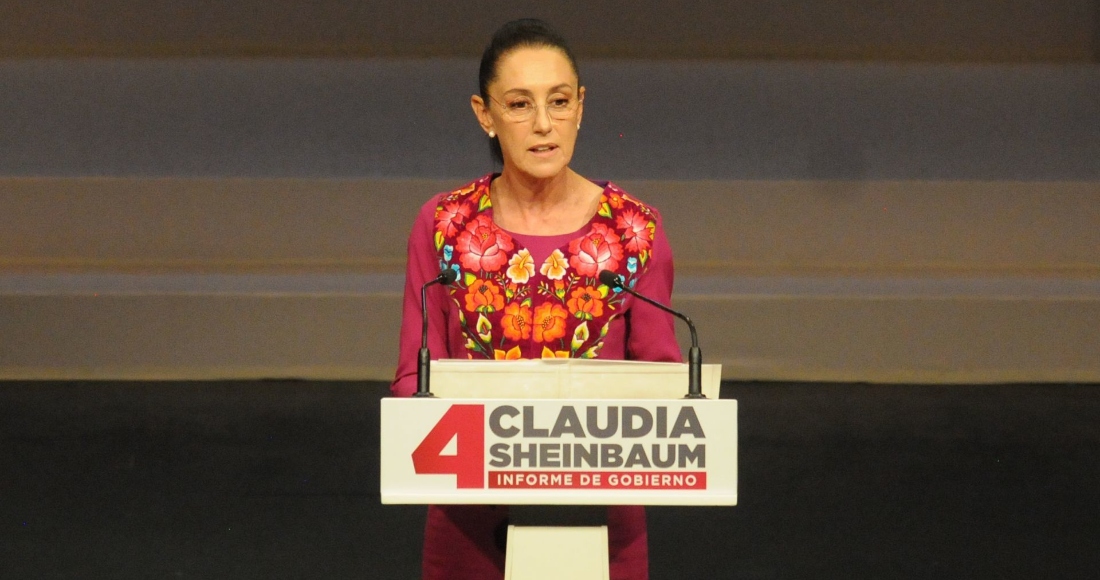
(529, 244)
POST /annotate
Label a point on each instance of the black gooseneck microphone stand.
(423, 373)
(695, 356)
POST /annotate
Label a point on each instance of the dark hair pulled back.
(522, 33)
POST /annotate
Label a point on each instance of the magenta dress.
(524, 296)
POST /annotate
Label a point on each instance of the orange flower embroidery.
(517, 322)
(549, 322)
(484, 296)
(512, 354)
(585, 303)
(547, 353)
(615, 199)
(559, 289)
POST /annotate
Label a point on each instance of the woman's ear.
(484, 118)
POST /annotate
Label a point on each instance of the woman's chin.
(542, 168)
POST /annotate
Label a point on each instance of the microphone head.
(611, 279)
(447, 276)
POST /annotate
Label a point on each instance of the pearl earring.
(492, 134)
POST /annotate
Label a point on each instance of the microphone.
(424, 361)
(695, 356)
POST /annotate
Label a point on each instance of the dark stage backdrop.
(278, 480)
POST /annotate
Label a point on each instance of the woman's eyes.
(524, 104)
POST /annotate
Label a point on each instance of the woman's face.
(535, 109)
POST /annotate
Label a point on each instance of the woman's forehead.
(534, 69)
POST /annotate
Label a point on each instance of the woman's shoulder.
(470, 194)
(616, 201)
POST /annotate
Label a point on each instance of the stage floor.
(278, 479)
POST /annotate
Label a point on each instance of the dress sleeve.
(422, 266)
(651, 332)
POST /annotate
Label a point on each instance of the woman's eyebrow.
(527, 92)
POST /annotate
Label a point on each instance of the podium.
(562, 432)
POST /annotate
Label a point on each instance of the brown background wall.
(929, 30)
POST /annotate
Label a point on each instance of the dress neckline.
(559, 239)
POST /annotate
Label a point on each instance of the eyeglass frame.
(535, 111)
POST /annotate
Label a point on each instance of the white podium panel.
(559, 451)
(550, 553)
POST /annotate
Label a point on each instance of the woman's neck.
(530, 192)
(558, 205)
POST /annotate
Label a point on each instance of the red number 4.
(467, 423)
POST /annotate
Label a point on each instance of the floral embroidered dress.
(524, 296)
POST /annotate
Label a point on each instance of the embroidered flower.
(636, 229)
(547, 353)
(484, 328)
(478, 193)
(555, 266)
(580, 335)
(614, 199)
(516, 322)
(512, 354)
(597, 250)
(559, 290)
(521, 267)
(450, 217)
(483, 296)
(482, 246)
(585, 303)
(549, 321)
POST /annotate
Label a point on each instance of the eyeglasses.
(521, 109)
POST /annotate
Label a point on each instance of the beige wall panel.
(899, 340)
(845, 227)
(199, 336)
(207, 223)
(855, 226)
(807, 338)
(864, 281)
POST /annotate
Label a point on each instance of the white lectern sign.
(559, 451)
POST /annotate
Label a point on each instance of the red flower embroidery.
(482, 246)
(450, 217)
(599, 249)
(636, 230)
